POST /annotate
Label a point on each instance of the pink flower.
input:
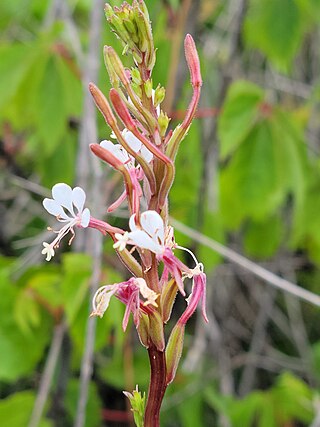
(129, 293)
(198, 295)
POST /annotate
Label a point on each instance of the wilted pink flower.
(129, 293)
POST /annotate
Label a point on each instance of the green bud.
(163, 121)
(138, 402)
(137, 89)
(108, 11)
(135, 75)
(168, 296)
(156, 330)
(143, 330)
(137, 57)
(148, 88)
(144, 9)
(159, 95)
(132, 30)
(109, 66)
(174, 351)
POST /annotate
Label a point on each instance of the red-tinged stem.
(157, 387)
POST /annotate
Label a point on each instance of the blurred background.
(248, 176)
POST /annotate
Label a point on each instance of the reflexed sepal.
(174, 351)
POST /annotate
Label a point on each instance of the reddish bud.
(103, 105)
(106, 156)
(121, 110)
(192, 60)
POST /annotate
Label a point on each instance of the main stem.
(157, 387)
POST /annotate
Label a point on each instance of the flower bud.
(135, 75)
(137, 402)
(156, 330)
(192, 60)
(107, 157)
(121, 110)
(148, 88)
(159, 95)
(143, 330)
(163, 121)
(174, 351)
(168, 296)
(117, 65)
(103, 105)
(114, 79)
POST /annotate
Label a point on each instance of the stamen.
(192, 255)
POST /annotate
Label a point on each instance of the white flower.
(122, 240)
(48, 250)
(149, 236)
(67, 205)
(134, 143)
(137, 145)
(119, 152)
(148, 294)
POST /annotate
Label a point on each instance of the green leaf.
(262, 239)
(15, 410)
(240, 113)
(15, 361)
(243, 412)
(77, 270)
(26, 311)
(275, 27)
(191, 411)
(15, 62)
(51, 105)
(293, 400)
(93, 407)
(249, 185)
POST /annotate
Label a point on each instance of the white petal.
(62, 193)
(117, 150)
(132, 223)
(54, 208)
(146, 154)
(85, 218)
(152, 223)
(78, 198)
(142, 240)
(132, 140)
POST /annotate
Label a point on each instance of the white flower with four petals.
(121, 154)
(67, 205)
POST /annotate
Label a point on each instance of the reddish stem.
(157, 387)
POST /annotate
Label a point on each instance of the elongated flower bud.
(174, 351)
(156, 330)
(103, 105)
(192, 60)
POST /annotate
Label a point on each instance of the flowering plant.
(144, 155)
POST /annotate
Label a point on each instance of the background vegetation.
(248, 176)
